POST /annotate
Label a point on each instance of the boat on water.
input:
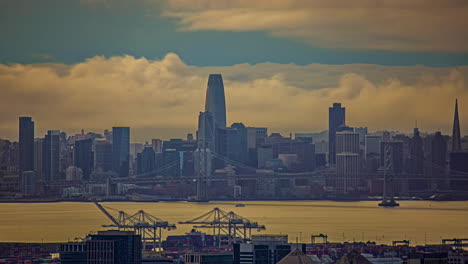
(391, 203)
(240, 205)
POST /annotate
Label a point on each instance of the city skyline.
(145, 65)
(307, 105)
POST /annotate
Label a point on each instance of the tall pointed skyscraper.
(215, 102)
(456, 142)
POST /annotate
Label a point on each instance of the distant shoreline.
(217, 200)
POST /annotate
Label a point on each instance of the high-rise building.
(146, 160)
(416, 152)
(215, 102)
(362, 134)
(38, 152)
(336, 118)
(373, 145)
(26, 144)
(51, 156)
(438, 160)
(83, 156)
(102, 156)
(157, 145)
(347, 160)
(347, 142)
(121, 150)
(264, 154)
(456, 141)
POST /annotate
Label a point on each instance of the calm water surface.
(418, 221)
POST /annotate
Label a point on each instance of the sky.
(94, 64)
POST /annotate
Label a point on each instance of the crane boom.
(107, 213)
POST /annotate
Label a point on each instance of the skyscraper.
(416, 153)
(103, 156)
(347, 160)
(456, 142)
(146, 160)
(336, 118)
(215, 102)
(51, 155)
(438, 159)
(121, 150)
(26, 144)
(83, 156)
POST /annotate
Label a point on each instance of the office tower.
(373, 145)
(362, 134)
(347, 142)
(215, 102)
(146, 160)
(438, 159)
(103, 156)
(456, 141)
(305, 151)
(51, 156)
(26, 144)
(264, 154)
(121, 150)
(38, 152)
(83, 156)
(347, 160)
(237, 147)
(157, 145)
(416, 152)
(336, 119)
(171, 161)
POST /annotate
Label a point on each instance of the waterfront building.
(74, 174)
(83, 156)
(121, 150)
(336, 118)
(26, 144)
(51, 156)
(28, 183)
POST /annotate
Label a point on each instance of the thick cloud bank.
(162, 98)
(416, 25)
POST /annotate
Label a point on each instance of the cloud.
(162, 98)
(397, 25)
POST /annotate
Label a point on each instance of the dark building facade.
(146, 160)
(336, 119)
(121, 150)
(103, 156)
(416, 153)
(110, 247)
(26, 144)
(438, 160)
(83, 156)
(456, 140)
(51, 156)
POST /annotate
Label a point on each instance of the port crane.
(226, 223)
(149, 227)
